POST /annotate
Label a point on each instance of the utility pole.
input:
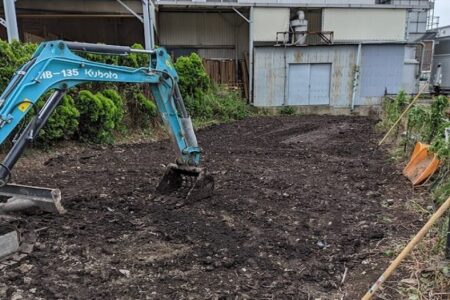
(10, 20)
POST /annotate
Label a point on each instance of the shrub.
(192, 76)
(135, 60)
(393, 108)
(204, 100)
(142, 110)
(12, 57)
(231, 106)
(100, 115)
(437, 117)
(427, 124)
(217, 103)
(62, 124)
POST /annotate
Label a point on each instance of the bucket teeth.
(184, 184)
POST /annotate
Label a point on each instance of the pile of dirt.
(299, 201)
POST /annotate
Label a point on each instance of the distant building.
(327, 53)
(440, 75)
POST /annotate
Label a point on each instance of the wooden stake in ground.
(403, 113)
(407, 250)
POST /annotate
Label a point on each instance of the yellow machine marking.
(24, 105)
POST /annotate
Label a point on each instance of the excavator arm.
(55, 66)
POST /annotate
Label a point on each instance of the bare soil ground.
(298, 201)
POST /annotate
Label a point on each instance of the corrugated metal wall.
(382, 67)
(381, 70)
(272, 64)
(410, 84)
(214, 35)
(115, 31)
(314, 18)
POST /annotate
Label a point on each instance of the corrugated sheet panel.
(410, 84)
(196, 29)
(381, 70)
(365, 24)
(214, 35)
(314, 18)
(271, 71)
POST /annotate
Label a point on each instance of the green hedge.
(204, 100)
(100, 115)
(97, 112)
(63, 123)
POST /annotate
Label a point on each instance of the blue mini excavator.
(54, 66)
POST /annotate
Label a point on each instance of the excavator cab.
(55, 66)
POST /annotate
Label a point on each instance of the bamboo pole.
(407, 250)
(403, 113)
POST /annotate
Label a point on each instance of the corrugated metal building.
(363, 64)
(442, 57)
(337, 75)
(354, 51)
(325, 75)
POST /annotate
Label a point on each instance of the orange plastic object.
(422, 165)
(419, 147)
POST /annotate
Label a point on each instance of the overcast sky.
(442, 9)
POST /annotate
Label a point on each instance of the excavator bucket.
(184, 184)
(422, 164)
(22, 197)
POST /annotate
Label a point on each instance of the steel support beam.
(130, 10)
(146, 19)
(148, 25)
(241, 14)
(11, 21)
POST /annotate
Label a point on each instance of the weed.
(287, 110)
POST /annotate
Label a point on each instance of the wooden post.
(407, 250)
(403, 113)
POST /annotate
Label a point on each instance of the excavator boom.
(55, 66)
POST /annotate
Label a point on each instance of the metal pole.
(11, 20)
(148, 25)
(356, 77)
(250, 58)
